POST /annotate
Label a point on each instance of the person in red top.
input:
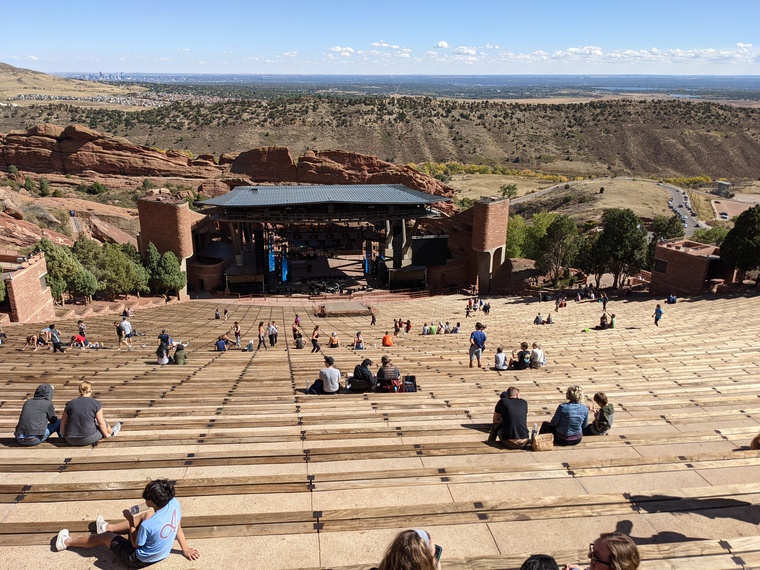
(387, 339)
(79, 341)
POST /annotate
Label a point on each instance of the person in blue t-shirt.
(477, 344)
(151, 532)
(657, 315)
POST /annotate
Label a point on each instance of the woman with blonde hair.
(411, 550)
(569, 419)
(613, 550)
(83, 422)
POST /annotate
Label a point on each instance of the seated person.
(539, 562)
(520, 360)
(603, 416)
(539, 320)
(500, 359)
(447, 328)
(220, 345)
(569, 419)
(432, 329)
(298, 341)
(358, 341)
(180, 356)
(362, 379)
(613, 321)
(162, 354)
(425, 329)
(510, 420)
(38, 421)
(328, 381)
(334, 341)
(456, 329)
(388, 375)
(603, 322)
(537, 356)
(387, 339)
(549, 320)
(671, 300)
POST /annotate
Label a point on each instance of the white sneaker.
(100, 524)
(60, 542)
(116, 429)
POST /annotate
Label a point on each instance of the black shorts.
(125, 552)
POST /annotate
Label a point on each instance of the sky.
(387, 37)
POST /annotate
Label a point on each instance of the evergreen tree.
(534, 232)
(558, 246)
(592, 259)
(515, 236)
(150, 262)
(169, 276)
(663, 228)
(741, 248)
(623, 241)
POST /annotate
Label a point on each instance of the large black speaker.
(430, 250)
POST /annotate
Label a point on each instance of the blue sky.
(465, 37)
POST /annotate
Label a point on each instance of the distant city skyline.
(480, 37)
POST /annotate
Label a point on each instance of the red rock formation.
(15, 234)
(77, 149)
(275, 165)
(269, 164)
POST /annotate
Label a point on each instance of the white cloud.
(184, 49)
(290, 54)
(466, 50)
(442, 45)
(32, 57)
(490, 46)
(381, 43)
(342, 51)
(743, 46)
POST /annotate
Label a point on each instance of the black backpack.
(410, 384)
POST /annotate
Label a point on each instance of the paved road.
(680, 204)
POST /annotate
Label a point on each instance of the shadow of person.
(711, 507)
(626, 527)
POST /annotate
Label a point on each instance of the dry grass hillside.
(640, 137)
(15, 81)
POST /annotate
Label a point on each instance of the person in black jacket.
(38, 420)
(363, 379)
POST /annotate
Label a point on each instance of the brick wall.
(212, 275)
(167, 222)
(456, 272)
(685, 273)
(490, 219)
(29, 302)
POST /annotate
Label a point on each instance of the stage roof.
(368, 194)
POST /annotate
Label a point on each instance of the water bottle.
(139, 508)
(535, 430)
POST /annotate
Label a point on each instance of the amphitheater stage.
(344, 309)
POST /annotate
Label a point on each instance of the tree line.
(89, 269)
(618, 245)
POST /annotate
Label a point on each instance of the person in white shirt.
(500, 359)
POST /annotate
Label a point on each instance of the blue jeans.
(53, 427)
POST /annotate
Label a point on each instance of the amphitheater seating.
(270, 477)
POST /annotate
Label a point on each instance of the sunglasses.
(595, 558)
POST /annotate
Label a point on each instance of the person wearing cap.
(328, 381)
(363, 380)
(510, 420)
